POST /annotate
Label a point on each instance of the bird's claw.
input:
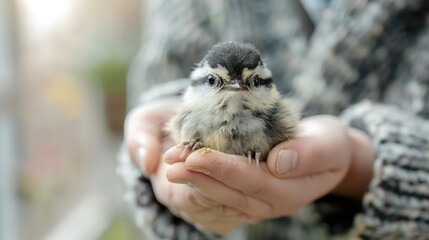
(193, 145)
(254, 154)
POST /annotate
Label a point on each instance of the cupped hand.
(144, 133)
(322, 159)
(146, 141)
(184, 201)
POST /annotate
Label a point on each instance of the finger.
(311, 152)
(180, 198)
(221, 226)
(292, 194)
(176, 154)
(213, 206)
(143, 135)
(258, 183)
(177, 197)
(261, 195)
(217, 191)
(210, 214)
(232, 170)
(144, 149)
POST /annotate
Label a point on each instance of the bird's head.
(232, 69)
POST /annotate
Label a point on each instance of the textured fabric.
(366, 61)
(397, 203)
(178, 33)
(367, 51)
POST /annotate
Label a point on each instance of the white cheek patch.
(263, 72)
(200, 72)
(205, 70)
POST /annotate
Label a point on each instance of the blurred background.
(63, 65)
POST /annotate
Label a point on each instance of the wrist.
(356, 181)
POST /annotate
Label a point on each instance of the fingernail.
(141, 152)
(141, 157)
(286, 161)
(180, 181)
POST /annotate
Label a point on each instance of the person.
(359, 172)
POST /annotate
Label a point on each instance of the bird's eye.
(256, 82)
(213, 81)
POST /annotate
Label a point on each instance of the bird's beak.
(234, 85)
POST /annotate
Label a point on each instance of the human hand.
(315, 131)
(145, 141)
(190, 205)
(144, 133)
(319, 161)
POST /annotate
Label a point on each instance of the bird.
(232, 105)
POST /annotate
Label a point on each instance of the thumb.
(322, 146)
(143, 133)
(144, 149)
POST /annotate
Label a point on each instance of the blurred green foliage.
(120, 228)
(111, 73)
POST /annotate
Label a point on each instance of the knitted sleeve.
(357, 52)
(171, 45)
(176, 34)
(378, 50)
(397, 203)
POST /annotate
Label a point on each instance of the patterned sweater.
(366, 61)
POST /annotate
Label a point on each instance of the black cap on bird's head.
(234, 56)
(232, 66)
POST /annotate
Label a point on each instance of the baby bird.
(232, 105)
